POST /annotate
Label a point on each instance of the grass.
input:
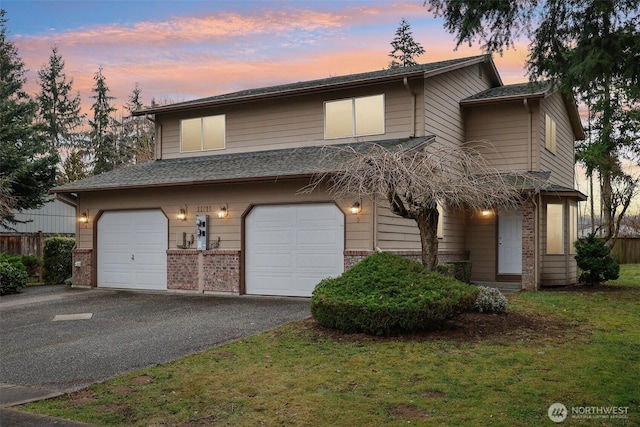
(302, 375)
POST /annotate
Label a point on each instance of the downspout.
(405, 82)
(536, 239)
(529, 136)
(158, 145)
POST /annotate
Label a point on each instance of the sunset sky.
(182, 50)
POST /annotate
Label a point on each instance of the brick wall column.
(82, 274)
(529, 281)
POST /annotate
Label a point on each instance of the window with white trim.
(354, 117)
(573, 227)
(555, 229)
(550, 134)
(203, 133)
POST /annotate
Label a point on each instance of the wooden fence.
(627, 250)
(25, 243)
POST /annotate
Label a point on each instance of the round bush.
(13, 275)
(386, 294)
(490, 300)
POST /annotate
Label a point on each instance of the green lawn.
(584, 351)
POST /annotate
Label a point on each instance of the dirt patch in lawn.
(401, 410)
(469, 327)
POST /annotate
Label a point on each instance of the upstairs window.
(202, 133)
(550, 134)
(354, 117)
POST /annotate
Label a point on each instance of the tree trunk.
(427, 220)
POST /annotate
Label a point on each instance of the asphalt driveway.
(99, 334)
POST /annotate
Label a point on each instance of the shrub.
(13, 275)
(386, 294)
(460, 270)
(57, 260)
(594, 259)
(490, 300)
(32, 263)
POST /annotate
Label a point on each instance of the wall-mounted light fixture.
(486, 212)
(84, 217)
(223, 211)
(182, 214)
(356, 208)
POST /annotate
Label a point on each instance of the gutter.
(405, 82)
(70, 199)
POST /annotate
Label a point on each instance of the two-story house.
(219, 210)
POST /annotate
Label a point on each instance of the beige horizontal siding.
(561, 164)
(291, 122)
(443, 93)
(500, 133)
(239, 197)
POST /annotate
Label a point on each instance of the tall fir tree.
(59, 111)
(141, 130)
(27, 169)
(102, 140)
(405, 48)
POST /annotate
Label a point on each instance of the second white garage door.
(290, 248)
(132, 250)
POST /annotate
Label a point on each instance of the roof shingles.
(257, 165)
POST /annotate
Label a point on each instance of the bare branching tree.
(415, 180)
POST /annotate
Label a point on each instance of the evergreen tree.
(102, 141)
(74, 167)
(141, 130)
(405, 48)
(27, 170)
(59, 112)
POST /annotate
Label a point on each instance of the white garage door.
(132, 249)
(290, 248)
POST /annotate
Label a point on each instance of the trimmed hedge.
(58, 260)
(460, 270)
(13, 274)
(386, 294)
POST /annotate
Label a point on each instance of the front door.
(510, 242)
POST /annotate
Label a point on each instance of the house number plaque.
(204, 209)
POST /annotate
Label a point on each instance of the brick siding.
(82, 274)
(529, 281)
(203, 271)
(351, 258)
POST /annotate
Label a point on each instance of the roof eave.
(187, 183)
(272, 95)
(498, 99)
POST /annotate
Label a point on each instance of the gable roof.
(528, 90)
(311, 86)
(236, 167)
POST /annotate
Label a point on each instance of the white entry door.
(290, 248)
(510, 242)
(132, 250)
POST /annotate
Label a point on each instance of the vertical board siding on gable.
(239, 198)
(291, 122)
(500, 134)
(561, 164)
(443, 93)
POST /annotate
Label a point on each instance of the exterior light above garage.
(223, 211)
(84, 217)
(356, 208)
(182, 214)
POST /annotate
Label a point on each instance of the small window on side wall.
(202, 133)
(573, 227)
(550, 134)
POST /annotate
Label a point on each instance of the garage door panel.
(290, 248)
(132, 250)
